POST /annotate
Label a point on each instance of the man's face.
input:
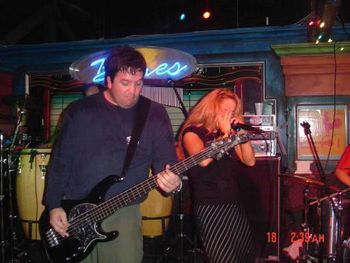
(125, 89)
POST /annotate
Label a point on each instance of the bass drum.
(30, 183)
(156, 212)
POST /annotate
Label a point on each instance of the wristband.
(178, 189)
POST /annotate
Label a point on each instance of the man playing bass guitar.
(92, 145)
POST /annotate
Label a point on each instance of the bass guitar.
(85, 216)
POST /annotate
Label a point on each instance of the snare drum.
(156, 212)
(30, 183)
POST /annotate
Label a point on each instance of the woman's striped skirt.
(225, 233)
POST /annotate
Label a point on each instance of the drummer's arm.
(343, 176)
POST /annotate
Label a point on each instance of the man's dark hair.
(124, 58)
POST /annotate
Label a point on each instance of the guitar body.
(85, 235)
(85, 216)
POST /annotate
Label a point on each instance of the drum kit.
(22, 177)
(325, 234)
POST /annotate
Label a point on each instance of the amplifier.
(264, 147)
(264, 144)
(260, 196)
(261, 121)
(266, 135)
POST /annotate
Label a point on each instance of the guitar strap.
(139, 122)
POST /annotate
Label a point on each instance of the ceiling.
(42, 21)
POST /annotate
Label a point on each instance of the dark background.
(41, 21)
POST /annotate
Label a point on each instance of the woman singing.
(221, 221)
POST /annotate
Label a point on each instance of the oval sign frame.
(162, 64)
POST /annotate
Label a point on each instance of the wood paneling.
(316, 75)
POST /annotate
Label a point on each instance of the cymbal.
(303, 179)
(307, 181)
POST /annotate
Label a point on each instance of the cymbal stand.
(304, 257)
(11, 169)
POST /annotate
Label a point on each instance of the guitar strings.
(122, 199)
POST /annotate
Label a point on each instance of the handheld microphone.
(247, 127)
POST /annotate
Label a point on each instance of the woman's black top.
(216, 183)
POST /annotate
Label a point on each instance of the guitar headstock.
(306, 127)
(223, 145)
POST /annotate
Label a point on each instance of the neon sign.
(164, 69)
(162, 64)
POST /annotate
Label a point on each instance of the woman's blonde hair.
(206, 111)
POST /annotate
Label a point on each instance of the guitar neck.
(108, 207)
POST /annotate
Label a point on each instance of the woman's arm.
(193, 144)
(245, 153)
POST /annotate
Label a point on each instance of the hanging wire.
(334, 102)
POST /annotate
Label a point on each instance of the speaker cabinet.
(260, 196)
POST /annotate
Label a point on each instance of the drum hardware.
(332, 226)
(346, 243)
(346, 251)
(12, 245)
(43, 169)
(7, 173)
(43, 166)
(308, 180)
(305, 252)
(318, 201)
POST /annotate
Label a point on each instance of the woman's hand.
(224, 123)
(236, 120)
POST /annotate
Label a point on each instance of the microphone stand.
(326, 188)
(180, 239)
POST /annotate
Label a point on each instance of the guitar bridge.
(52, 238)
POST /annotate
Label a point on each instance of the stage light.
(182, 16)
(206, 14)
(313, 28)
